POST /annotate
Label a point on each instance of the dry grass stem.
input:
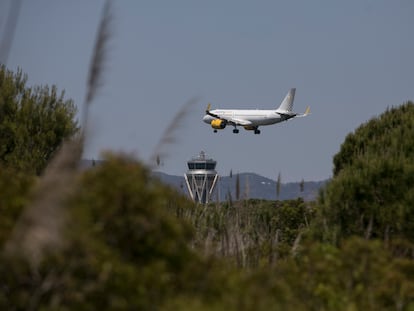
(9, 30)
(296, 244)
(169, 136)
(99, 56)
(39, 227)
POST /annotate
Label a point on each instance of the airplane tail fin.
(287, 104)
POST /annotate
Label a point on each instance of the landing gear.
(215, 131)
(256, 131)
(235, 131)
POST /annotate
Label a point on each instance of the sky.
(349, 61)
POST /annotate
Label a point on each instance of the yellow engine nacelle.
(218, 124)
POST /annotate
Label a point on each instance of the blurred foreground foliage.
(132, 243)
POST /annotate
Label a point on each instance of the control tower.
(201, 178)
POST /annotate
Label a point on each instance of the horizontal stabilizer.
(307, 112)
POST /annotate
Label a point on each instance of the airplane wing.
(213, 114)
(232, 121)
(237, 121)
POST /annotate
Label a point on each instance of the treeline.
(128, 242)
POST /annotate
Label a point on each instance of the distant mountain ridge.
(252, 186)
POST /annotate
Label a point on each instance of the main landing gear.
(236, 130)
(256, 130)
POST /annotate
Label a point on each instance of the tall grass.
(249, 233)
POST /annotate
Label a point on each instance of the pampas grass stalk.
(9, 30)
(296, 244)
(169, 135)
(39, 229)
(99, 57)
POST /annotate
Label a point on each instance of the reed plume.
(39, 229)
(99, 57)
(9, 30)
(169, 135)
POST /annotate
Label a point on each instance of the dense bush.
(15, 188)
(372, 191)
(123, 248)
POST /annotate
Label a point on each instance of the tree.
(302, 185)
(278, 184)
(34, 121)
(371, 194)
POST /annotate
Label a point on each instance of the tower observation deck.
(201, 178)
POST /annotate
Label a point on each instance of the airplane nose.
(207, 118)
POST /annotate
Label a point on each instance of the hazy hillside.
(252, 186)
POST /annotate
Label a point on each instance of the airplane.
(251, 119)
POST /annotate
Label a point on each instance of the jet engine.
(218, 124)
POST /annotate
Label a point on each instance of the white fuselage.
(256, 117)
(252, 119)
